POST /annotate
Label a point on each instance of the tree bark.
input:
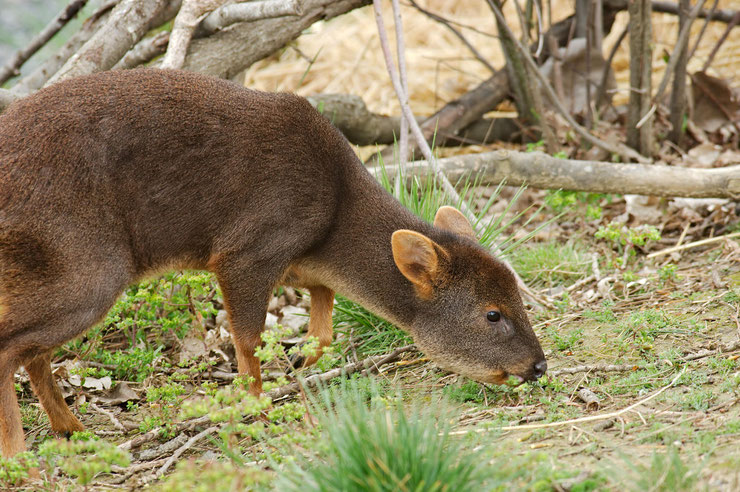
(639, 119)
(678, 92)
(228, 52)
(539, 170)
(127, 24)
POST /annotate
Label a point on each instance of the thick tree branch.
(228, 52)
(230, 14)
(542, 171)
(127, 24)
(190, 14)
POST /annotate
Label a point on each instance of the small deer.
(109, 178)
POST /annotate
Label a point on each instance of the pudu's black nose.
(540, 368)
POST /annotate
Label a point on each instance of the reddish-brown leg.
(320, 324)
(61, 417)
(246, 289)
(11, 427)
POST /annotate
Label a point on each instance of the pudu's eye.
(493, 316)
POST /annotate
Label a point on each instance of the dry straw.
(344, 56)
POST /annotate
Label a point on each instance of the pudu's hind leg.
(61, 417)
(319, 324)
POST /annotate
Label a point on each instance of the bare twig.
(694, 244)
(730, 26)
(145, 51)
(116, 423)
(708, 19)
(189, 444)
(457, 33)
(11, 69)
(618, 149)
(406, 109)
(365, 366)
(403, 143)
(681, 44)
(190, 14)
(591, 418)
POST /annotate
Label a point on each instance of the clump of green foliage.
(148, 315)
(664, 472)
(212, 476)
(625, 239)
(15, 470)
(83, 457)
(377, 446)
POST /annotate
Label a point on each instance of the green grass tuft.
(377, 446)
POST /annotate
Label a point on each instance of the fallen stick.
(722, 349)
(590, 418)
(539, 170)
(694, 244)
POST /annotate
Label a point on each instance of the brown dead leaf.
(715, 103)
(121, 393)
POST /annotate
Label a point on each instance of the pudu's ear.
(453, 220)
(418, 259)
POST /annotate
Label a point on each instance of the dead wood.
(36, 79)
(226, 53)
(458, 114)
(350, 115)
(227, 15)
(719, 15)
(145, 51)
(10, 69)
(639, 114)
(127, 24)
(542, 171)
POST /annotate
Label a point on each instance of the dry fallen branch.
(230, 14)
(189, 444)
(127, 24)
(226, 53)
(10, 69)
(145, 51)
(190, 14)
(591, 418)
(722, 349)
(694, 244)
(543, 171)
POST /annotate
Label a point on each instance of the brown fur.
(107, 178)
